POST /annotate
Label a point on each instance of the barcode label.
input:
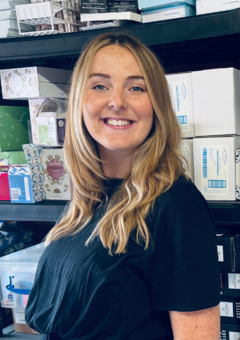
(182, 119)
(26, 185)
(226, 309)
(233, 281)
(220, 253)
(217, 184)
(234, 336)
(204, 162)
(14, 194)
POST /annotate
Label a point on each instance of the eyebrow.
(107, 76)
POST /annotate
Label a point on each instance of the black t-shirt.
(84, 293)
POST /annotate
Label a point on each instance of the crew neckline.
(112, 182)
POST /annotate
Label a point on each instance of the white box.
(216, 102)
(180, 86)
(34, 82)
(214, 167)
(21, 266)
(186, 149)
(111, 16)
(34, 106)
(57, 179)
(210, 6)
(168, 13)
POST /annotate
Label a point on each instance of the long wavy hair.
(156, 164)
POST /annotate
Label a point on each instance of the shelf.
(224, 212)
(46, 211)
(152, 34)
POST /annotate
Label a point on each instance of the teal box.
(146, 5)
(13, 127)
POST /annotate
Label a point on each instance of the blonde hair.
(157, 163)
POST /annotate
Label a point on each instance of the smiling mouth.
(119, 122)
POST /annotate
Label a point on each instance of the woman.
(135, 257)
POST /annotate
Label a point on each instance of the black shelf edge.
(224, 212)
(152, 34)
(45, 211)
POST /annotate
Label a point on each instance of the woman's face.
(117, 110)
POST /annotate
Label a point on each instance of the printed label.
(19, 313)
(234, 336)
(220, 253)
(215, 171)
(226, 309)
(179, 90)
(233, 281)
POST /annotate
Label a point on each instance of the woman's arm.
(199, 325)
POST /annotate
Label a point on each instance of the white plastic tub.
(19, 268)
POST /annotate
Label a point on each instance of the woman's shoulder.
(182, 191)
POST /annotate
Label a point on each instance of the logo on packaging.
(55, 173)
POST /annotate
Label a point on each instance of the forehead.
(115, 58)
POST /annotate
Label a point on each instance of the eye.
(99, 87)
(137, 89)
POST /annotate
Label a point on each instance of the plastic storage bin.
(18, 270)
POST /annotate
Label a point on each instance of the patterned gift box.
(153, 4)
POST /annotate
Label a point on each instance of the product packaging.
(146, 5)
(180, 86)
(207, 6)
(13, 127)
(186, 149)
(216, 102)
(57, 179)
(51, 121)
(34, 82)
(215, 167)
(27, 182)
(168, 13)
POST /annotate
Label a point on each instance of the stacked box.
(57, 182)
(206, 6)
(27, 181)
(123, 6)
(35, 82)
(8, 19)
(94, 6)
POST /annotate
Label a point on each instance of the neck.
(116, 164)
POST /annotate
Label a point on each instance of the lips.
(117, 121)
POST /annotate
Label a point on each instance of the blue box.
(154, 4)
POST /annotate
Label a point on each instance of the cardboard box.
(230, 283)
(216, 102)
(230, 332)
(168, 13)
(13, 127)
(214, 167)
(206, 6)
(13, 157)
(230, 310)
(27, 182)
(57, 179)
(180, 86)
(35, 82)
(153, 4)
(186, 149)
(228, 246)
(51, 122)
(20, 325)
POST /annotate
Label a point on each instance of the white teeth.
(117, 122)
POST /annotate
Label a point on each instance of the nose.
(117, 100)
